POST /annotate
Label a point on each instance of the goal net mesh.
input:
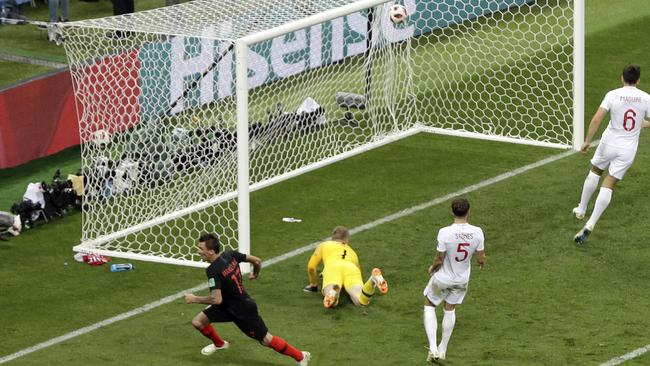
(156, 100)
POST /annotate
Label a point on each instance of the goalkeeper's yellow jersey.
(327, 252)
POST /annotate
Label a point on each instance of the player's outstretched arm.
(213, 299)
(437, 263)
(312, 267)
(257, 266)
(646, 123)
(593, 128)
(480, 258)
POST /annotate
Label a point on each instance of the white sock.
(591, 183)
(431, 326)
(17, 224)
(448, 322)
(602, 201)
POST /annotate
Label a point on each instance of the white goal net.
(185, 109)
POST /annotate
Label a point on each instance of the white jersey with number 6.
(627, 106)
(459, 242)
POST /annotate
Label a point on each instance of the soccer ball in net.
(101, 138)
(397, 13)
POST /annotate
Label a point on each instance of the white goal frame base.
(94, 246)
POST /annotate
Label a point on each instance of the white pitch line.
(283, 257)
(98, 325)
(618, 360)
(423, 206)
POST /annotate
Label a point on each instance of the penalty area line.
(626, 357)
(291, 254)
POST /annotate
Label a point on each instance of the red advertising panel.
(108, 94)
(39, 118)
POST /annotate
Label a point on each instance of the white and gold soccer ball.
(397, 13)
(101, 138)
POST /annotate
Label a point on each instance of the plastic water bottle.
(291, 219)
(121, 267)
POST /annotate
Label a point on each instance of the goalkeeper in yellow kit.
(341, 269)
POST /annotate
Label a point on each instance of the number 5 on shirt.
(461, 249)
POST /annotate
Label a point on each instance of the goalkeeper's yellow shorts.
(342, 273)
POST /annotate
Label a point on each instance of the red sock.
(209, 332)
(281, 346)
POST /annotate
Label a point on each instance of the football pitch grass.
(541, 300)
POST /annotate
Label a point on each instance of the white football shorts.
(618, 160)
(437, 291)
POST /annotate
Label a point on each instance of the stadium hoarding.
(37, 118)
(40, 117)
(187, 74)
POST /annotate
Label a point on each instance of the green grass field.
(540, 300)
(19, 71)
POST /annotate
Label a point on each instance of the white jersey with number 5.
(459, 242)
(627, 106)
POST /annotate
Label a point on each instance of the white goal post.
(185, 110)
